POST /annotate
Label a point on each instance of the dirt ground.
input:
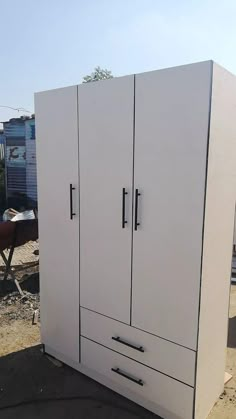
(19, 336)
(26, 374)
(17, 314)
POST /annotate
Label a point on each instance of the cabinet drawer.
(157, 353)
(171, 398)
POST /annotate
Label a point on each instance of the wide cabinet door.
(57, 163)
(171, 130)
(106, 111)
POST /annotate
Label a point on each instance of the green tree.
(98, 74)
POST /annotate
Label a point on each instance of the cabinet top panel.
(198, 64)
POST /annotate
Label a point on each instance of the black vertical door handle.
(136, 223)
(71, 201)
(124, 221)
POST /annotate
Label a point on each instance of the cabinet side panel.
(217, 243)
(57, 161)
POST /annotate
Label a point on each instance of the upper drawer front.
(169, 398)
(164, 356)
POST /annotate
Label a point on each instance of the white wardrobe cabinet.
(137, 191)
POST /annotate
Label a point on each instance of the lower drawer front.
(173, 399)
(157, 353)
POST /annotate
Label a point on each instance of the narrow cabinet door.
(171, 129)
(58, 183)
(106, 165)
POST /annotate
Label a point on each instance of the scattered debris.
(35, 316)
(14, 306)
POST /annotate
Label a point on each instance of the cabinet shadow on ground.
(28, 376)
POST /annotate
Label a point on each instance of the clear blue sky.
(50, 43)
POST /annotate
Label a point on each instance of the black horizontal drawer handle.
(118, 339)
(123, 374)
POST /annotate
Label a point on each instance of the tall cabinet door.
(106, 166)
(171, 130)
(57, 163)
